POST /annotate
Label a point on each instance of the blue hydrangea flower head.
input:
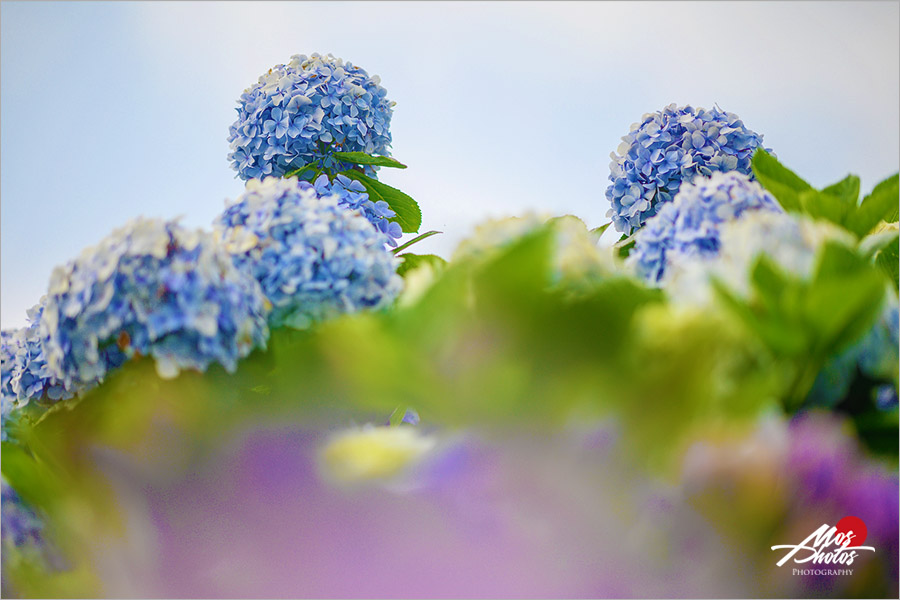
(151, 288)
(669, 147)
(689, 226)
(314, 258)
(25, 375)
(352, 195)
(300, 113)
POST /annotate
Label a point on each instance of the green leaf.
(825, 206)
(891, 182)
(598, 231)
(411, 261)
(409, 216)
(837, 260)
(416, 240)
(361, 158)
(780, 335)
(784, 184)
(880, 205)
(623, 247)
(769, 280)
(843, 299)
(847, 189)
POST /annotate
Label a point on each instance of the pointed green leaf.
(825, 206)
(361, 158)
(880, 205)
(598, 231)
(784, 184)
(409, 216)
(891, 182)
(847, 189)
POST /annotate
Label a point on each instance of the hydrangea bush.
(312, 255)
(669, 147)
(522, 377)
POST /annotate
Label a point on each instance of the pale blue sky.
(112, 110)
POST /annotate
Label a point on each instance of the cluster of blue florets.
(313, 257)
(351, 194)
(151, 288)
(689, 226)
(301, 113)
(24, 373)
(667, 148)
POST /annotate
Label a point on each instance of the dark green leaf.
(415, 240)
(361, 158)
(624, 245)
(409, 216)
(411, 261)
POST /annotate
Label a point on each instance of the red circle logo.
(853, 526)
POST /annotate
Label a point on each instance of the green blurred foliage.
(838, 203)
(805, 322)
(500, 339)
